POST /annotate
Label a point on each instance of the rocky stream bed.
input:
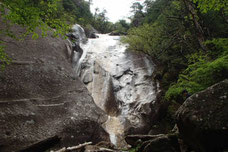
(95, 95)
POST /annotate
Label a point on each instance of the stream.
(120, 82)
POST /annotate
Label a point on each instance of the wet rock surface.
(78, 33)
(40, 97)
(91, 32)
(120, 83)
(203, 119)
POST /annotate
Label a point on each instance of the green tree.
(138, 16)
(168, 39)
(154, 9)
(173, 30)
(33, 14)
(101, 23)
(41, 14)
(80, 9)
(188, 40)
(121, 27)
(30, 14)
(208, 5)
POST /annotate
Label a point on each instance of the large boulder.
(203, 119)
(40, 96)
(91, 32)
(78, 33)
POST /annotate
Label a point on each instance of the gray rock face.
(79, 33)
(91, 32)
(120, 83)
(40, 97)
(203, 119)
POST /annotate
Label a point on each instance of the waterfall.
(78, 40)
(120, 82)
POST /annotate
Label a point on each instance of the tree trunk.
(199, 30)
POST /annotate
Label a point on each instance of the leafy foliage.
(204, 70)
(79, 9)
(135, 149)
(170, 33)
(34, 14)
(4, 59)
(168, 39)
(41, 14)
(101, 23)
(121, 27)
(30, 14)
(137, 18)
(144, 38)
(218, 47)
(154, 9)
(207, 5)
(199, 76)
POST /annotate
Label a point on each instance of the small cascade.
(77, 38)
(120, 83)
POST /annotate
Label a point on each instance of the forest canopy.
(188, 40)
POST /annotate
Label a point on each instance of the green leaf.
(35, 36)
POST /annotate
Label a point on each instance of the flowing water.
(120, 82)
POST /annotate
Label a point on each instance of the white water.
(119, 82)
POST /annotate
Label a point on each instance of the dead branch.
(74, 147)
